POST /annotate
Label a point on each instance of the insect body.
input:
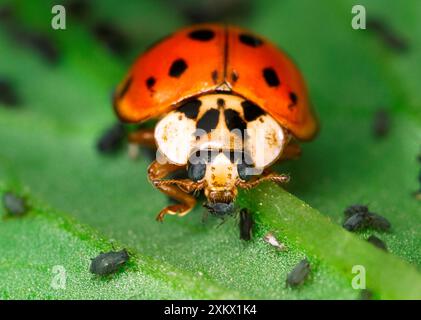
(110, 262)
(229, 105)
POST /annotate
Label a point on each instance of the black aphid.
(358, 217)
(220, 209)
(14, 205)
(378, 222)
(366, 294)
(299, 274)
(79, 9)
(109, 262)
(356, 222)
(389, 37)
(112, 139)
(8, 95)
(37, 42)
(116, 41)
(377, 242)
(246, 224)
(381, 123)
(355, 208)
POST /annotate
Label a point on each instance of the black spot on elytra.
(214, 76)
(234, 121)
(208, 121)
(190, 108)
(234, 76)
(125, 87)
(220, 102)
(8, 95)
(294, 99)
(251, 110)
(202, 35)
(177, 68)
(113, 38)
(271, 77)
(150, 82)
(250, 40)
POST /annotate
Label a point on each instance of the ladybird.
(228, 105)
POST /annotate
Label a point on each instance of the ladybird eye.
(196, 171)
(244, 171)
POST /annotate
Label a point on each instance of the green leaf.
(48, 152)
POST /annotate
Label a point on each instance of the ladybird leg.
(172, 188)
(275, 177)
(291, 151)
(144, 137)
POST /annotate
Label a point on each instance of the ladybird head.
(220, 172)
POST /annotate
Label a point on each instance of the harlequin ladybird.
(229, 104)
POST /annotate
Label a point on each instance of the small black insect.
(389, 37)
(220, 209)
(355, 208)
(366, 294)
(109, 262)
(381, 123)
(358, 217)
(112, 139)
(356, 222)
(378, 222)
(78, 9)
(377, 242)
(14, 205)
(114, 39)
(299, 274)
(38, 42)
(8, 95)
(246, 224)
(417, 194)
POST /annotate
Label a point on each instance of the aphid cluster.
(14, 205)
(109, 262)
(358, 217)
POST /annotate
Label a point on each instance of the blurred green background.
(55, 88)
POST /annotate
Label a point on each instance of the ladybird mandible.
(229, 104)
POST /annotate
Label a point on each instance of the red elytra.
(216, 58)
